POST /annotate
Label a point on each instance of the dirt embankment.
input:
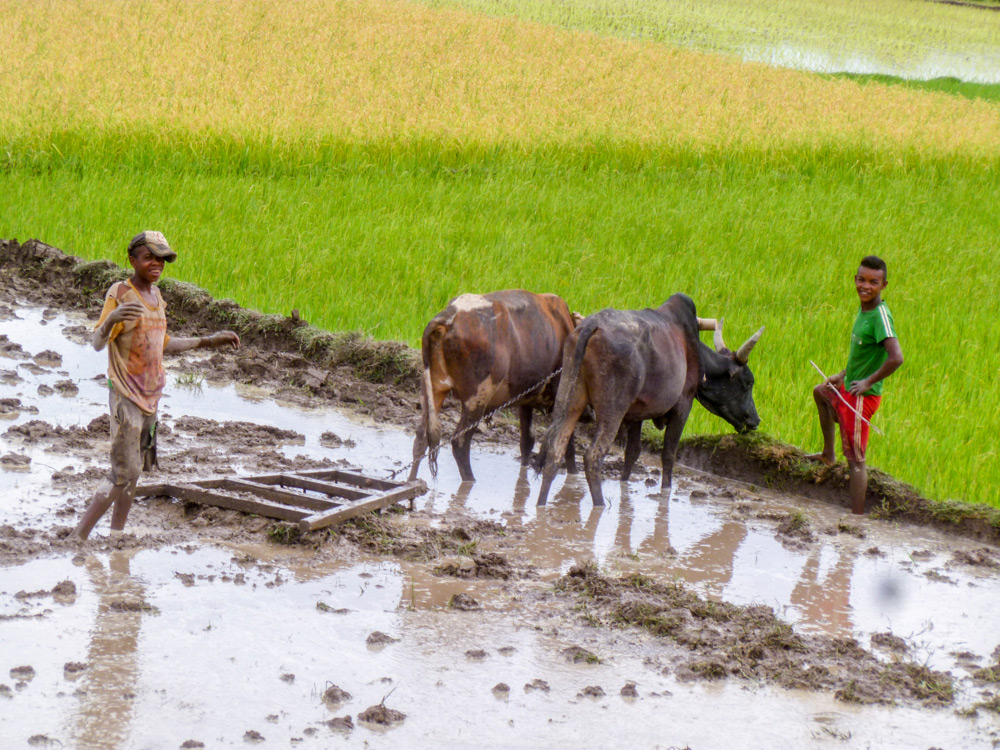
(298, 361)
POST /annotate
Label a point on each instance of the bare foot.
(821, 458)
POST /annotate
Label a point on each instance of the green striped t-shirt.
(867, 353)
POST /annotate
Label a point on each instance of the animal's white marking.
(469, 302)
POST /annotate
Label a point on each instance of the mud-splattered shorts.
(133, 440)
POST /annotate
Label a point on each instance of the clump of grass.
(283, 533)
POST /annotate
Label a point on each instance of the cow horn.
(706, 324)
(717, 339)
(744, 352)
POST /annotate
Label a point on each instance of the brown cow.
(633, 365)
(489, 349)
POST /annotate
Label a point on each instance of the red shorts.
(853, 431)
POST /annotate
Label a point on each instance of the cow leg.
(557, 449)
(571, 455)
(633, 446)
(421, 441)
(593, 459)
(462, 445)
(674, 422)
(527, 443)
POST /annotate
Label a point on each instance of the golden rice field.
(377, 70)
(366, 161)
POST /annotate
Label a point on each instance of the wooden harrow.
(313, 499)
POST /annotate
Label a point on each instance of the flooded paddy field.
(476, 619)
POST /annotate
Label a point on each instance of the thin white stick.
(846, 402)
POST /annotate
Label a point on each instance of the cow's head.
(726, 388)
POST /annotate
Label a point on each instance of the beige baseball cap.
(156, 243)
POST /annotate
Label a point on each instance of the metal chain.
(432, 455)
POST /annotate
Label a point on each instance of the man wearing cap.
(133, 325)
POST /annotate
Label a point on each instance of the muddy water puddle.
(197, 640)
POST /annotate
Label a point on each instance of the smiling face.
(148, 266)
(869, 283)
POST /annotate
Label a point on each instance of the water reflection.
(108, 690)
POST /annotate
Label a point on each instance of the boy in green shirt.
(874, 356)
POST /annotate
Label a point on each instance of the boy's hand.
(224, 338)
(859, 386)
(124, 313)
(835, 381)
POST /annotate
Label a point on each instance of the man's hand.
(223, 338)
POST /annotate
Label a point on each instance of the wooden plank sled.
(333, 496)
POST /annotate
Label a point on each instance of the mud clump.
(190, 744)
(14, 406)
(335, 695)
(889, 642)
(64, 588)
(24, 673)
(378, 638)
(592, 691)
(501, 690)
(381, 714)
(725, 640)
(578, 655)
(537, 684)
(341, 723)
(15, 460)
(74, 667)
(487, 565)
(463, 602)
(252, 735)
(629, 690)
(977, 558)
(476, 654)
(245, 436)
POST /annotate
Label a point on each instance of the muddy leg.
(633, 446)
(827, 425)
(858, 486)
(571, 455)
(527, 443)
(593, 458)
(419, 448)
(555, 447)
(103, 499)
(461, 446)
(122, 505)
(674, 421)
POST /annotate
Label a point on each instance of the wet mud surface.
(474, 619)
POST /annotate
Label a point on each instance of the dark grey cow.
(633, 365)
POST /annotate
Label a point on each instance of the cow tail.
(429, 415)
(567, 383)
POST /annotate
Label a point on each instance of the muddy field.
(474, 619)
